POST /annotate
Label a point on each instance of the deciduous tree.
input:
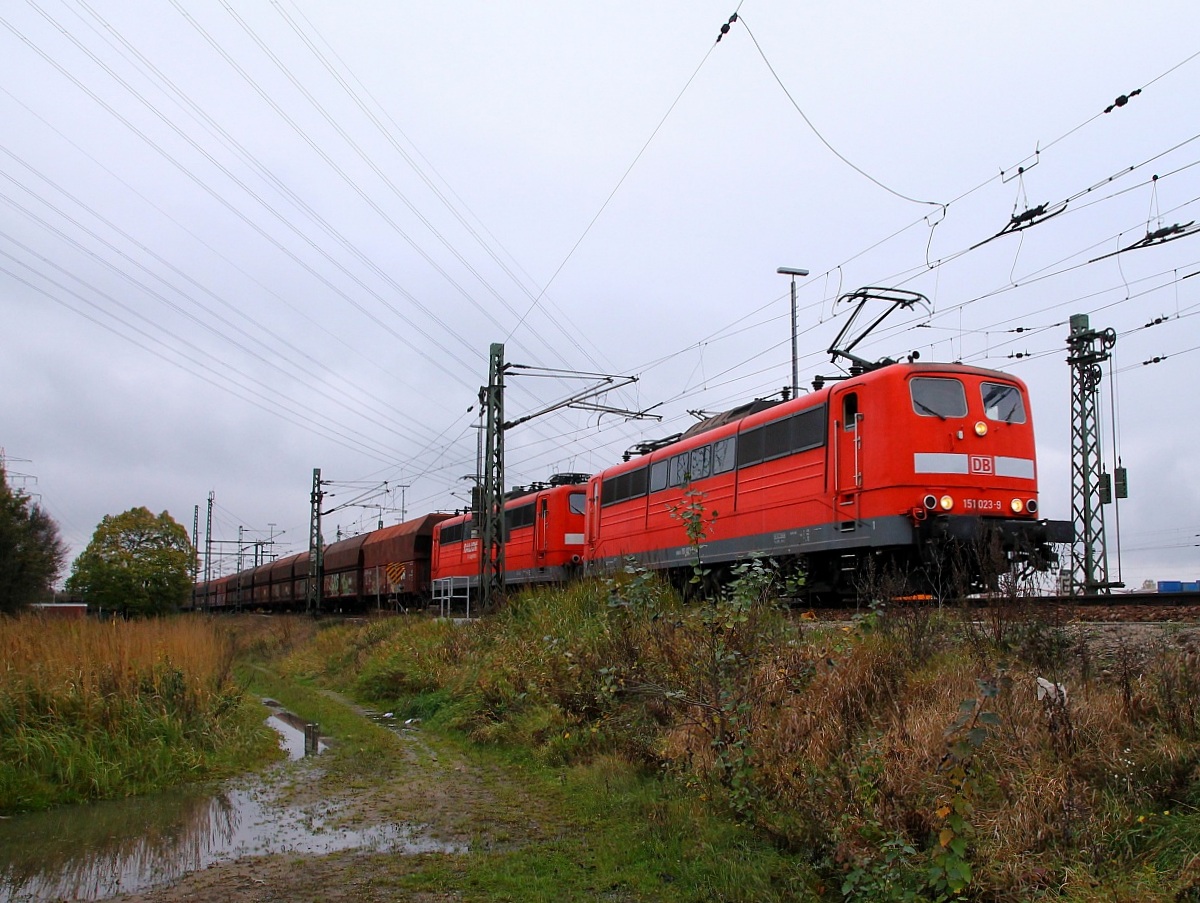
(31, 552)
(137, 563)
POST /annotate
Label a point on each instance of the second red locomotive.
(543, 541)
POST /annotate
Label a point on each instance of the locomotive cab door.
(541, 525)
(847, 450)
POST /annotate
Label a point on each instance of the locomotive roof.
(956, 367)
(742, 410)
(758, 405)
(518, 493)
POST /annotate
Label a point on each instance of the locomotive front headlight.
(930, 501)
(946, 502)
(980, 428)
(1017, 506)
(1031, 506)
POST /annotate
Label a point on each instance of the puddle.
(404, 727)
(292, 730)
(124, 846)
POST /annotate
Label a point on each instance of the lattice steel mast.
(1088, 349)
(316, 547)
(491, 493)
(490, 509)
(208, 570)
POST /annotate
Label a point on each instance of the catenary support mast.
(316, 548)
(489, 512)
(1088, 349)
(491, 546)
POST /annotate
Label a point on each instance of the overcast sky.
(241, 240)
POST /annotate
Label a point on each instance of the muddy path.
(439, 808)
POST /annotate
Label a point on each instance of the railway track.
(1123, 607)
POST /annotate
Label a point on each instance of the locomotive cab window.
(1002, 402)
(938, 396)
(850, 411)
(576, 501)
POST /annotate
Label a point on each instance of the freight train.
(908, 464)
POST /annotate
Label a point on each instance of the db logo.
(982, 464)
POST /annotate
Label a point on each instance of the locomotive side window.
(937, 396)
(701, 463)
(577, 502)
(453, 533)
(1003, 403)
(521, 516)
(637, 482)
(608, 492)
(724, 455)
(658, 475)
(750, 447)
(624, 487)
(777, 438)
(679, 469)
(797, 433)
(808, 429)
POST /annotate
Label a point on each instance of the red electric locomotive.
(901, 461)
(543, 531)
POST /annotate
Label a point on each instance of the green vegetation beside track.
(609, 740)
(728, 749)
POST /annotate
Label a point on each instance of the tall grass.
(904, 756)
(92, 709)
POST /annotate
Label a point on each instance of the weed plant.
(92, 710)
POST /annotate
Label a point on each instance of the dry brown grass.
(97, 709)
(855, 729)
(90, 660)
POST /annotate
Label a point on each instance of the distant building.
(71, 611)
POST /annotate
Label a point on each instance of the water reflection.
(124, 846)
(291, 734)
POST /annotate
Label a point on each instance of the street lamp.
(793, 272)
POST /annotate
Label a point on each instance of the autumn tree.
(31, 552)
(137, 563)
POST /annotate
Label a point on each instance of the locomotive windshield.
(577, 502)
(935, 396)
(1003, 403)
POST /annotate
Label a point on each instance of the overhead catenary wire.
(456, 374)
(222, 201)
(693, 347)
(571, 335)
(833, 150)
